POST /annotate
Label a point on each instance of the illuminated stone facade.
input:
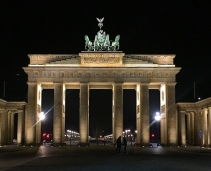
(195, 123)
(7, 112)
(102, 70)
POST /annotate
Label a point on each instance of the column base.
(141, 144)
(80, 144)
(58, 144)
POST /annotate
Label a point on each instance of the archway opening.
(100, 116)
(47, 105)
(129, 115)
(72, 116)
(154, 106)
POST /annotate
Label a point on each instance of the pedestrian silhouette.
(124, 144)
(118, 144)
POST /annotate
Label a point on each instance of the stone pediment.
(102, 59)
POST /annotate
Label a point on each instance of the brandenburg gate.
(102, 66)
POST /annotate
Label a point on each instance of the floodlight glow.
(157, 116)
(42, 116)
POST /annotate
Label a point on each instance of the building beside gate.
(195, 123)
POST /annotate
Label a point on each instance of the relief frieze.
(97, 74)
(132, 74)
(105, 74)
(71, 74)
(149, 75)
(124, 75)
(141, 74)
(88, 75)
(53, 74)
(35, 74)
(44, 74)
(61, 74)
(167, 75)
(80, 75)
(114, 74)
(101, 60)
(158, 75)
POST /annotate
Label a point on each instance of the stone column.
(31, 115)
(11, 127)
(20, 129)
(163, 131)
(182, 128)
(171, 117)
(188, 128)
(204, 126)
(58, 118)
(9, 130)
(191, 128)
(117, 111)
(209, 126)
(3, 127)
(138, 119)
(142, 120)
(84, 114)
(163, 124)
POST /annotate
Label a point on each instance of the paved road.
(100, 158)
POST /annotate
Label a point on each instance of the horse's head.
(117, 38)
(86, 38)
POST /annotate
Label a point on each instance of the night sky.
(146, 27)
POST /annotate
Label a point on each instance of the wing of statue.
(100, 20)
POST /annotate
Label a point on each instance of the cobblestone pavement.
(102, 158)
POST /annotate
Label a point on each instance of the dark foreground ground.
(102, 158)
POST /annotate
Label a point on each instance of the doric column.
(10, 126)
(188, 127)
(9, 130)
(3, 127)
(20, 129)
(138, 119)
(204, 126)
(117, 117)
(197, 127)
(209, 126)
(142, 117)
(84, 114)
(59, 115)
(163, 124)
(171, 117)
(191, 128)
(32, 124)
(182, 128)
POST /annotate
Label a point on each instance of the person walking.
(118, 144)
(124, 144)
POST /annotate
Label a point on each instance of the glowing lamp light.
(42, 116)
(157, 116)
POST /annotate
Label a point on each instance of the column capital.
(182, 112)
(119, 82)
(171, 83)
(204, 110)
(32, 83)
(144, 83)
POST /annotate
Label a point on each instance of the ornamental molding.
(102, 74)
(101, 59)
